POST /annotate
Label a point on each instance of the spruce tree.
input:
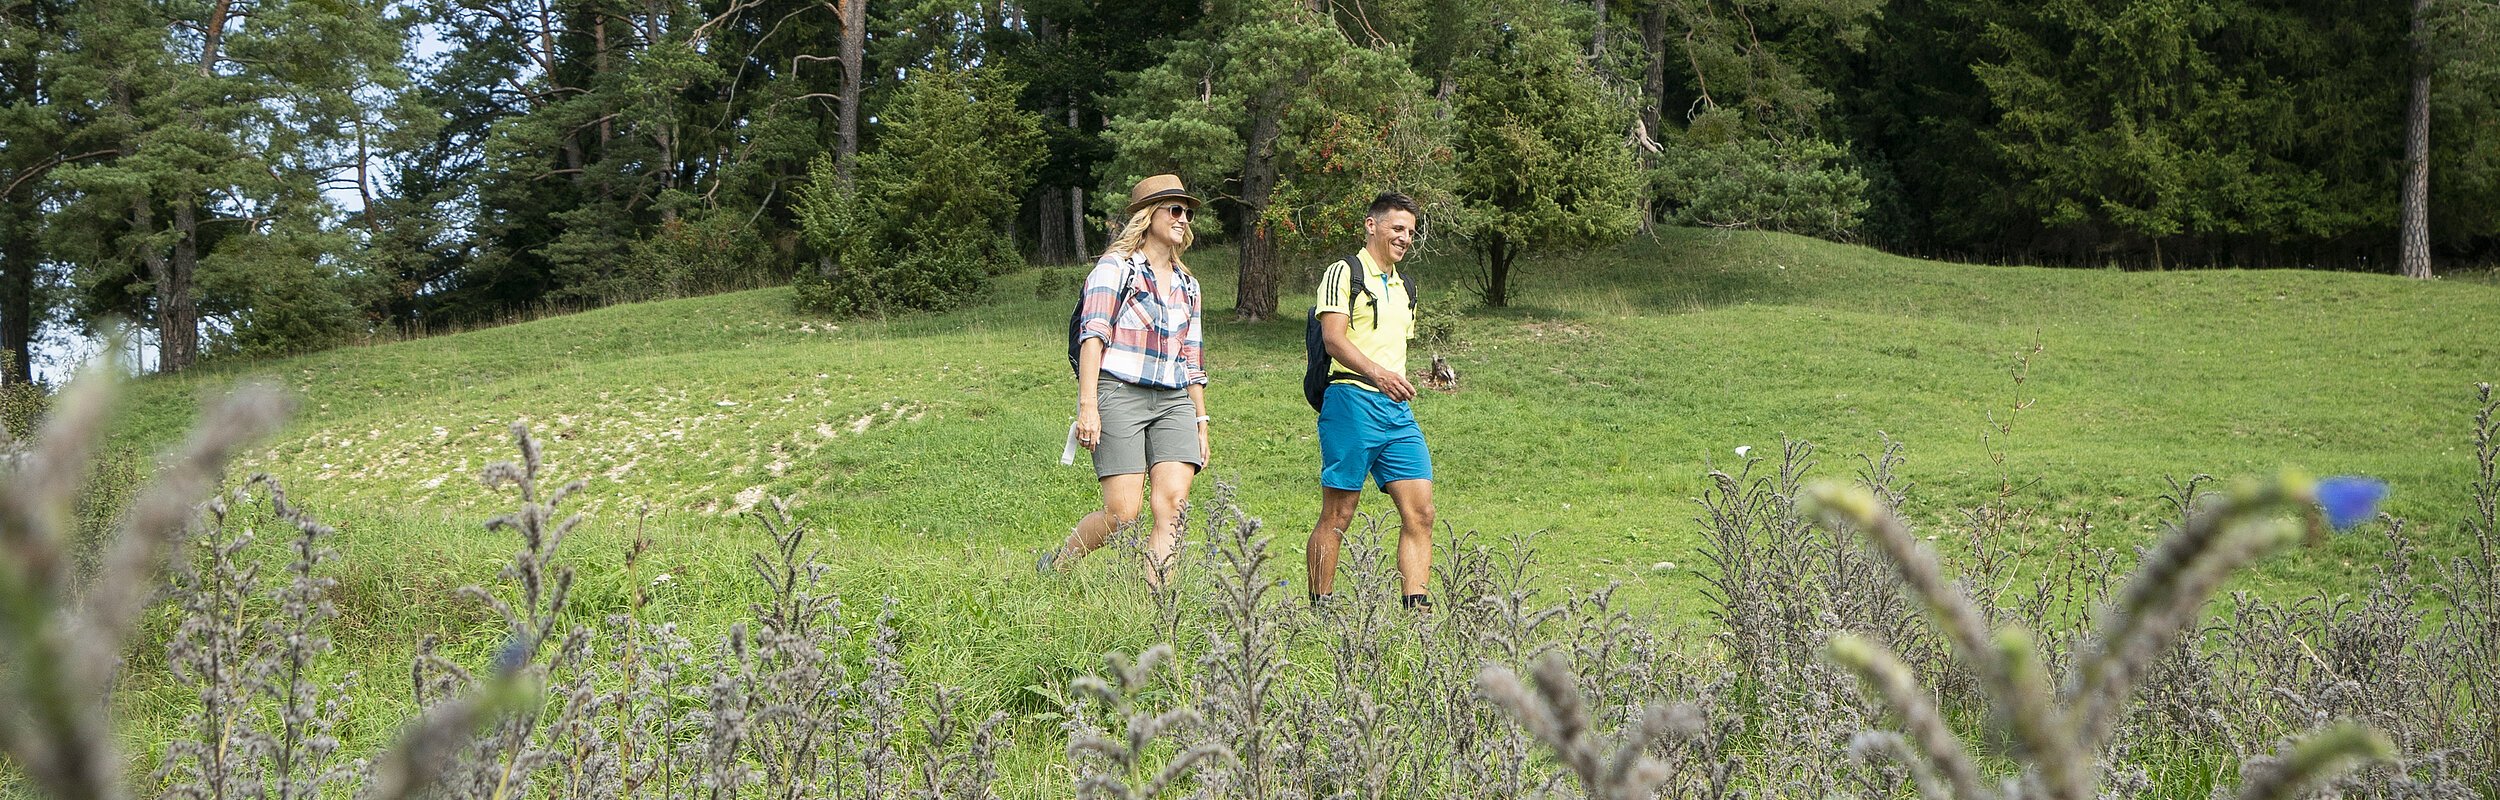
(2200, 130)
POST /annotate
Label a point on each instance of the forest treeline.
(252, 177)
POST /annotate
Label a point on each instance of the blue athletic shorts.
(1363, 432)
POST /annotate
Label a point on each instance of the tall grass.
(1830, 668)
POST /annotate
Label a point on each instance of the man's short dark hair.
(1393, 200)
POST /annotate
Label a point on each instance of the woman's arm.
(1088, 380)
(1100, 310)
(1194, 354)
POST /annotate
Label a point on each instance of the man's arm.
(1332, 334)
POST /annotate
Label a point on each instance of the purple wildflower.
(2350, 499)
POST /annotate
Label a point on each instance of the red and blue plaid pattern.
(1152, 337)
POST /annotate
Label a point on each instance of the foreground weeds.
(1841, 657)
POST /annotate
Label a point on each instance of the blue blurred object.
(2350, 499)
(514, 655)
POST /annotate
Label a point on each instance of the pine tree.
(2450, 43)
(222, 119)
(1543, 157)
(1069, 53)
(635, 134)
(29, 33)
(1274, 95)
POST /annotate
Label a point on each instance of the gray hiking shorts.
(1142, 426)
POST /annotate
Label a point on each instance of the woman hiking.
(1141, 402)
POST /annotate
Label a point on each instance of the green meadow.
(923, 450)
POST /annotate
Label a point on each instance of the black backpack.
(1076, 319)
(1315, 373)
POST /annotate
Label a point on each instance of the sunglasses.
(1181, 211)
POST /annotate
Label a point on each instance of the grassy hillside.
(1589, 414)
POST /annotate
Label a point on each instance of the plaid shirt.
(1152, 337)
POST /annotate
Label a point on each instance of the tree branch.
(46, 167)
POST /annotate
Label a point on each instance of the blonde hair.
(1133, 234)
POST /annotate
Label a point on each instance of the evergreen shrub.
(922, 225)
(1802, 186)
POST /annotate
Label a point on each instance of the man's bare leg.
(1414, 501)
(1319, 558)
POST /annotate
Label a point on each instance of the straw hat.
(1158, 187)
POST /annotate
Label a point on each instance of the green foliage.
(1436, 321)
(849, 244)
(1542, 161)
(22, 404)
(2161, 118)
(924, 228)
(282, 293)
(1796, 186)
(701, 252)
(954, 156)
(1348, 120)
(1758, 59)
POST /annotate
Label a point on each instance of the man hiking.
(1365, 315)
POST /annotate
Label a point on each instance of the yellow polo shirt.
(1378, 325)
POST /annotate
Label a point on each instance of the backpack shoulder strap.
(1355, 285)
(1120, 291)
(1119, 295)
(1362, 286)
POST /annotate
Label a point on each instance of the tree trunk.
(1050, 245)
(177, 313)
(18, 261)
(1499, 251)
(1257, 292)
(599, 61)
(1076, 198)
(1597, 35)
(2414, 206)
(854, 14)
(213, 35)
(1653, 101)
(1076, 223)
(1654, 77)
(1256, 298)
(21, 213)
(177, 306)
